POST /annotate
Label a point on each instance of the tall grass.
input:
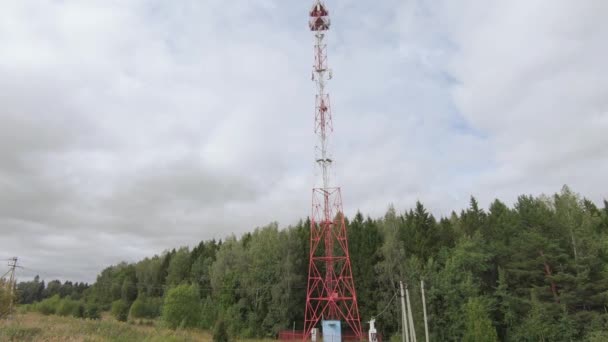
(33, 326)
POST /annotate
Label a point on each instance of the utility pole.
(405, 333)
(12, 264)
(411, 315)
(426, 324)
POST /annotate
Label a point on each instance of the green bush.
(80, 311)
(69, 307)
(138, 308)
(91, 311)
(120, 310)
(597, 336)
(145, 307)
(25, 308)
(49, 306)
(155, 306)
(220, 333)
(182, 307)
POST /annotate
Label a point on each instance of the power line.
(387, 306)
(10, 285)
(38, 272)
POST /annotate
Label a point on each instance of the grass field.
(36, 327)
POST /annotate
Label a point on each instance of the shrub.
(68, 307)
(597, 336)
(80, 311)
(155, 306)
(220, 334)
(138, 308)
(25, 308)
(49, 306)
(120, 310)
(91, 311)
(145, 307)
(182, 307)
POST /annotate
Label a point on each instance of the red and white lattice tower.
(331, 291)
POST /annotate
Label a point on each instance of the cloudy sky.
(130, 127)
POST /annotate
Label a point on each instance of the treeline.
(56, 298)
(29, 292)
(533, 271)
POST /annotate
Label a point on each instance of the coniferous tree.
(533, 271)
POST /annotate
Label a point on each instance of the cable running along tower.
(330, 291)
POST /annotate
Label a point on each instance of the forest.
(535, 270)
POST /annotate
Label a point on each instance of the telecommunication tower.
(330, 291)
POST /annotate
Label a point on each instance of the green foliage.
(138, 309)
(25, 308)
(145, 307)
(33, 327)
(128, 291)
(147, 273)
(182, 307)
(5, 299)
(30, 291)
(209, 313)
(220, 334)
(202, 258)
(52, 288)
(79, 311)
(120, 310)
(115, 282)
(70, 307)
(478, 327)
(533, 271)
(364, 240)
(179, 267)
(49, 306)
(597, 336)
(19, 333)
(91, 311)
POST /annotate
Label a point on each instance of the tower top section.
(319, 17)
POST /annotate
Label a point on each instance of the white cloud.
(131, 127)
(529, 76)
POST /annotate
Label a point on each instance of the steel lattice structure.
(331, 289)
